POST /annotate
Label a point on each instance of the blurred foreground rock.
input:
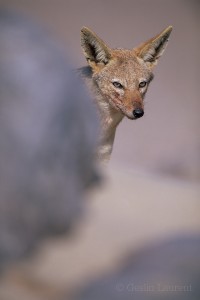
(47, 138)
(170, 270)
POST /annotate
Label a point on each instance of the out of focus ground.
(131, 211)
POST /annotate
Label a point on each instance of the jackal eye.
(117, 84)
(142, 84)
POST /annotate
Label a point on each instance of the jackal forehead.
(131, 68)
(129, 59)
(124, 67)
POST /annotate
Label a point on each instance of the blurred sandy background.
(166, 139)
(152, 187)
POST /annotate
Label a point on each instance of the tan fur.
(115, 76)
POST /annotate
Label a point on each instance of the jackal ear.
(153, 49)
(95, 50)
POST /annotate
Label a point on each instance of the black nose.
(138, 113)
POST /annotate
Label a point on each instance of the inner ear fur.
(152, 50)
(95, 50)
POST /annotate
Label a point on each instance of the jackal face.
(122, 76)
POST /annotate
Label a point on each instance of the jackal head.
(122, 76)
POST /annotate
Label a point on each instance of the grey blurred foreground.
(47, 138)
(169, 270)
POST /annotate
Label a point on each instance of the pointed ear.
(95, 50)
(153, 49)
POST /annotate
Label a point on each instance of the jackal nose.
(138, 113)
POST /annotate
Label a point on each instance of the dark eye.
(142, 84)
(118, 85)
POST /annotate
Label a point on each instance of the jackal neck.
(109, 116)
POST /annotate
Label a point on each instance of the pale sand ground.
(129, 211)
